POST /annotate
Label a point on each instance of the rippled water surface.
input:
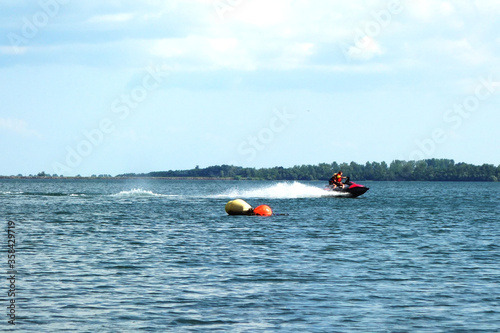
(162, 255)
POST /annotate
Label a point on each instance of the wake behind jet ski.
(351, 189)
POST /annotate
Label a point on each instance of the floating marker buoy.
(238, 207)
(263, 210)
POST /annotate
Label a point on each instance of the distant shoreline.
(117, 177)
(424, 170)
(224, 179)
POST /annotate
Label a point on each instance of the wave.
(280, 191)
(138, 192)
(283, 190)
(43, 194)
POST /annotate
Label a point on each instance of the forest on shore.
(423, 170)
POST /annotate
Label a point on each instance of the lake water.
(162, 255)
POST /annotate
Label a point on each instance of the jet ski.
(351, 189)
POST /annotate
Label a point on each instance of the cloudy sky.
(92, 87)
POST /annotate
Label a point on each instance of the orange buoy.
(263, 210)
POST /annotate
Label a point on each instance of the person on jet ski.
(336, 180)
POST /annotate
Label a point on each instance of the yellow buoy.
(238, 207)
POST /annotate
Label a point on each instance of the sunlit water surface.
(162, 255)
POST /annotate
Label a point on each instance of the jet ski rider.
(336, 180)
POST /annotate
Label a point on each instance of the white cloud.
(202, 52)
(491, 7)
(428, 10)
(447, 8)
(294, 55)
(18, 126)
(461, 50)
(262, 12)
(284, 34)
(111, 18)
(10, 50)
(205, 53)
(366, 49)
(223, 44)
(171, 47)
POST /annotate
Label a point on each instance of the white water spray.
(280, 191)
(138, 192)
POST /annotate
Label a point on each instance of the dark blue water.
(128, 256)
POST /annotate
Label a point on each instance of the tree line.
(423, 170)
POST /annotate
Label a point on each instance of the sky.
(110, 87)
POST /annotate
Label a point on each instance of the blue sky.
(136, 86)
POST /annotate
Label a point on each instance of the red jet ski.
(351, 189)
